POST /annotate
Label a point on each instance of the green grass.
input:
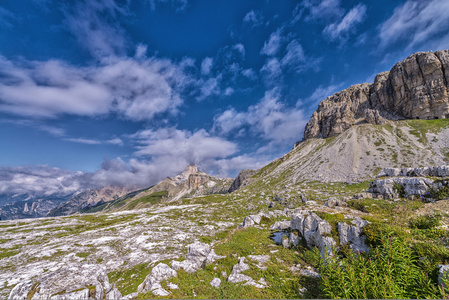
(146, 201)
(128, 280)
(282, 283)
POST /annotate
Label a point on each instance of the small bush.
(357, 205)
(425, 222)
(399, 189)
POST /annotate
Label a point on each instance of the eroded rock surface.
(353, 235)
(70, 282)
(416, 87)
(314, 229)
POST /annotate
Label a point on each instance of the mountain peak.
(415, 88)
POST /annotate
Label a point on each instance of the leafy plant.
(399, 189)
(388, 271)
(426, 221)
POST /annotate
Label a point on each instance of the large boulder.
(198, 255)
(153, 281)
(315, 231)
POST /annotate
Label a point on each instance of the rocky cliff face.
(242, 179)
(415, 88)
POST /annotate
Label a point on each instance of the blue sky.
(128, 92)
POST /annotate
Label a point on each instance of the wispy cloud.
(416, 23)
(253, 18)
(6, 18)
(101, 36)
(270, 119)
(326, 10)
(341, 29)
(272, 46)
(137, 90)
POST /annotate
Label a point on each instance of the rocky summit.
(358, 209)
(415, 88)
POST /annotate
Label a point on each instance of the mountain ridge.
(415, 88)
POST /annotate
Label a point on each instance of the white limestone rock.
(152, 281)
(215, 282)
(353, 234)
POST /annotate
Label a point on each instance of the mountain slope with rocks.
(326, 220)
(90, 198)
(415, 88)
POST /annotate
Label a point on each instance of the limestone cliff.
(415, 88)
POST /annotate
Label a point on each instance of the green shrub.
(425, 222)
(400, 189)
(357, 205)
(388, 271)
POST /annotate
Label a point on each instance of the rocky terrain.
(90, 198)
(415, 88)
(369, 185)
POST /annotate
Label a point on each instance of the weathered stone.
(416, 87)
(152, 281)
(69, 282)
(280, 225)
(314, 230)
(412, 186)
(212, 256)
(309, 273)
(215, 282)
(353, 234)
(333, 202)
(443, 273)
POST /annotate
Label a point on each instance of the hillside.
(362, 151)
(362, 213)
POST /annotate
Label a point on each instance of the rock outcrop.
(71, 282)
(242, 179)
(191, 182)
(352, 235)
(153, 281)
(198, 255)
(434, 171)
(400, 186)
(415, 88)
(315, 230)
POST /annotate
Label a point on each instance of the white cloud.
(250, 74)
(272, 46)
(295, 55)
(323, 9)
(417, 23)
(206, 65)
(341, 29)
(271, 72)
(83, 141)
(240, 48)
(137, 90)
(253, 18)
(40, 180)
(193, 147)
(270, 119)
